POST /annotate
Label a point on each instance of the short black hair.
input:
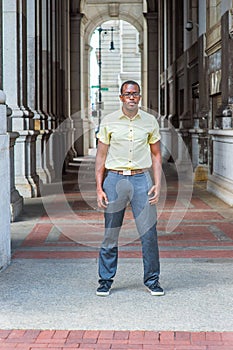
(129, 82)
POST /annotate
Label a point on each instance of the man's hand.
(102, 199)
(154, 191)
(157, 170)
(101, 155)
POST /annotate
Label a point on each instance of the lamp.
(112, 43)
(100, 30)
(189, 25)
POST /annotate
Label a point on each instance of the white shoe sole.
(102, 294)
(158, 294)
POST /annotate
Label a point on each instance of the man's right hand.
(102, 199)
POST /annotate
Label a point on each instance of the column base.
(201, 173)
(16, 204)
(28, 187)
(221, 188)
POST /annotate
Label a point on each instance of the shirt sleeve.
(154, 136)
(103, 135)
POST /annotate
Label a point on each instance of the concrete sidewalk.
(60, 294)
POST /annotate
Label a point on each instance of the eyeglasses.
(134, 94)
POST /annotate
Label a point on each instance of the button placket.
(130, 157)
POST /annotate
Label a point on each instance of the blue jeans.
(121, 190)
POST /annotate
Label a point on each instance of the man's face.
(130, 97)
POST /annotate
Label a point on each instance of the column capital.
(150, 15)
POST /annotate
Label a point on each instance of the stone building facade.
(195, 84)
(185, 48)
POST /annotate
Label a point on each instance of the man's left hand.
(154, 195)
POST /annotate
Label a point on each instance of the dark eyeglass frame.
(128, 94)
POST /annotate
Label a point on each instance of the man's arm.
(101, 155)
(157, 171)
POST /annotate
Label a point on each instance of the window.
(216, 101)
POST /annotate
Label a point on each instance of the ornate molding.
(213, 39)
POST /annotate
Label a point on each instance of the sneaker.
(103, 290)
(156, 289)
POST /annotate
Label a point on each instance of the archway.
(114, 57)
(93, 19)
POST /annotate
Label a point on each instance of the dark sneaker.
(156, 289)
(103, 290)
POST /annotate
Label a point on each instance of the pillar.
(227, 68)
(15, 86)
(5, 187)
(152, 45)
(39, 35)
(75, 83)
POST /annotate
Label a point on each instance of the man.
(128, 144)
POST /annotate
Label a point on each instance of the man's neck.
(128, 114)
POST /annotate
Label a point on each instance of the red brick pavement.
(103, 340)
(203, 230)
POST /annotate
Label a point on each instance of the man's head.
(130, 97)
(129, 82)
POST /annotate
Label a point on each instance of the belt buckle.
(126, 172)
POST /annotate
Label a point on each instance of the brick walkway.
(103, 340)
(205, 232)
(204, 229)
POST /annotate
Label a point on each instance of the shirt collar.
(135, 117)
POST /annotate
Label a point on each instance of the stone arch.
(90, 21)
(91, 25)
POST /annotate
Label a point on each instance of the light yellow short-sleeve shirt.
(129, 140)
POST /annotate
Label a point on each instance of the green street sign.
(97, 87)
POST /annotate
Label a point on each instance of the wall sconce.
(189, 25)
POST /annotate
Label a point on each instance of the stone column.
(65, 64)
(1, 44)
(43, 52)
(152, 44)
(227, 68)
(15, 86)
(75, 83)
(5, 187)
(200, 123)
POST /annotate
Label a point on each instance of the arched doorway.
(93, 19)
(114, 57)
